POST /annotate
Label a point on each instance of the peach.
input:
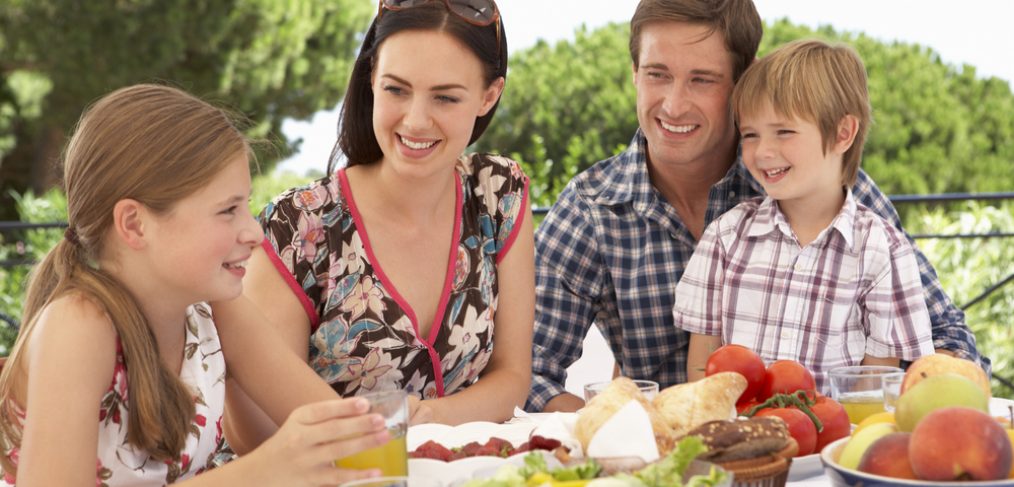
(936, 364)
(960, 443)
(888, 456)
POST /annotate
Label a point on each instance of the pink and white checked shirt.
(854, 290)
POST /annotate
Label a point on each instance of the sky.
(974, 32)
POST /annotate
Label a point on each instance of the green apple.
(857, 445)
(935, 392)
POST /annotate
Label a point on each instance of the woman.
(395, 271)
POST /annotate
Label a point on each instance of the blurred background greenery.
(937, 128)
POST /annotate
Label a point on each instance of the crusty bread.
(686, 406)
(606, 403)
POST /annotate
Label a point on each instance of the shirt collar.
(770, 218)
(628, 176)
(630, 182)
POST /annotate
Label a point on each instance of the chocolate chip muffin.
(758, 451)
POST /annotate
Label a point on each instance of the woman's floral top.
(118, 462)
(364, 335)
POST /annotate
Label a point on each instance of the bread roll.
(602, 407)
(686, 406)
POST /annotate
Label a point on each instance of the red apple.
(959, 442)
(888, 456)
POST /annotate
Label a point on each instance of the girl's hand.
(418, 411)
(303, 451)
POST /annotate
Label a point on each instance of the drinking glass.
(391, 457)
(892, 389)
(647, 387)
(860, 389)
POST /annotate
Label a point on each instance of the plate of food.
(456, 453)
(675, 469)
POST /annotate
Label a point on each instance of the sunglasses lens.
(477, 11)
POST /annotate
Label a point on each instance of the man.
(616, 242)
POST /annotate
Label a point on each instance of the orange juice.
(391, 457)
(861, 405)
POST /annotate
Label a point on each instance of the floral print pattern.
(363, 338)
(120, 463)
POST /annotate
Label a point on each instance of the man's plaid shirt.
(611, 251)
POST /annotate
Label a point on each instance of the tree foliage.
(936, 128)
(266, 59)
(566, 106)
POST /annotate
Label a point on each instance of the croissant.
(686, 406)
(606, 403)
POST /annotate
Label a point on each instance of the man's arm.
(950, 333)
(568, 276)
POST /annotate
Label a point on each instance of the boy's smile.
(787, 155)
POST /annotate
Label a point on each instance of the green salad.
(667, 472)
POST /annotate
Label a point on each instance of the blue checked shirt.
(611, 251)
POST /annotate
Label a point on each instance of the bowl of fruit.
(941, 433)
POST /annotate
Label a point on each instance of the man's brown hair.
(736, 20)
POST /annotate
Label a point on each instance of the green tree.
(566, 106)
(267, 59)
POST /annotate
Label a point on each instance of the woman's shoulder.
(317, 196)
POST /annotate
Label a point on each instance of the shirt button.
(732, 194)
(786, 334)
(672, 233)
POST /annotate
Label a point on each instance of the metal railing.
(934, 199)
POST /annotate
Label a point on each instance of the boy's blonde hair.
(816, 81)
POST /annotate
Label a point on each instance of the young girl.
(412, 267)
(118, 376)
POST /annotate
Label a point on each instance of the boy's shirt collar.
(770, 218)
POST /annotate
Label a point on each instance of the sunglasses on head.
(479, 13)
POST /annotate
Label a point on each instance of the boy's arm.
(950, 333)
(701, 347)
(871, 360)
(893, 307)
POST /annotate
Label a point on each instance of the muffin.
(758, 451)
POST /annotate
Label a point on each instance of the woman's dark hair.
(356, 138)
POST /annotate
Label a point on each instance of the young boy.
(805, 273)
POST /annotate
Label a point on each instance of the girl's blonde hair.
(157, 145)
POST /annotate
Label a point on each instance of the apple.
(935, 392)
(888, 456)
(936, 364)
(861, 441)
(960, 442)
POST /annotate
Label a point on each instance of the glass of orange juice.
(860, 389)
(391, 457)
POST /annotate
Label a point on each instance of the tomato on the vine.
(833, 418)
(787, 377)
(737, 358)
(800, 427)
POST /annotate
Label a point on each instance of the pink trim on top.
(445, 294)
(517, 225)
(289, 279)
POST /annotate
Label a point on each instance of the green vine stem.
(799, 399)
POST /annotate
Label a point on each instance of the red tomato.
(737, 358)
(833, 419)
(800, 427)
(786, 377)
(744, 406)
